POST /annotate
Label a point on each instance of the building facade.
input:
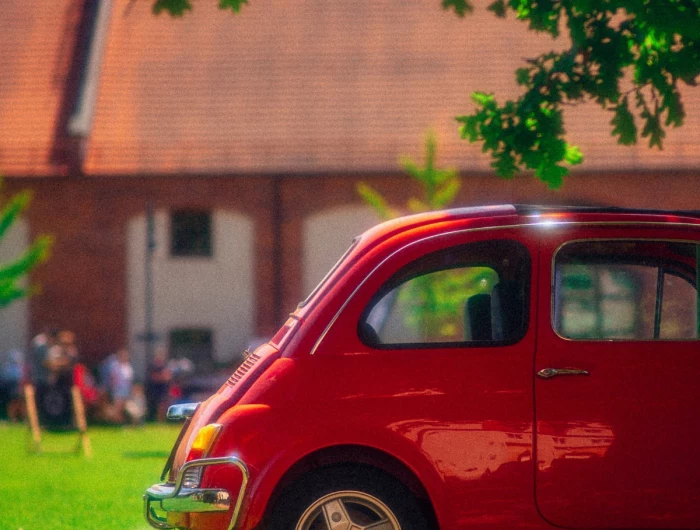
(246, 136)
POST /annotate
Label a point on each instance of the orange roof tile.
(36, 46)
(288, 86)
(293, 85)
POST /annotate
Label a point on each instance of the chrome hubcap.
(348, 510)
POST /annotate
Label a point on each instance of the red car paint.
(472, 430)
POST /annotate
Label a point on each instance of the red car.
(498, 367)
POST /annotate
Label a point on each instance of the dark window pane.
(191, 233)
(195, 344)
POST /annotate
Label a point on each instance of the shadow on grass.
(53, 453)
(146, 454)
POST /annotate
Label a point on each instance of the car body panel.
(489, 444)
(617, 449)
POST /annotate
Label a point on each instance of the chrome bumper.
(175, 498)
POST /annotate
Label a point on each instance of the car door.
(616, 387)
(433, 355)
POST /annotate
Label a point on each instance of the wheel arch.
(350, 454)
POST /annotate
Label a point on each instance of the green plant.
(12, 273)
(439, 187)
(433, 303)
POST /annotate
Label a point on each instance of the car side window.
(473, 294)
(626, 290)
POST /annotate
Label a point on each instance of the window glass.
(633, 290)
(190, 233)
(193, 346)
(679, 313)
(474, 293)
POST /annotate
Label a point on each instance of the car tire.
(347, 496)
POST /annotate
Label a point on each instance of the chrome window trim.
(539, 221)
(599, 239)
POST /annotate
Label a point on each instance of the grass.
(58, 489)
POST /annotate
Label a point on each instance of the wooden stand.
(83, 445)
(32, 418)
(81, 422)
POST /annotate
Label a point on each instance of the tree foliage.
(628, 56)
(13, 273)
(177, 8)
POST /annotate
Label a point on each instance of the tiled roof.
(314, 86)
(36, 44)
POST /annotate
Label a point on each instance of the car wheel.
(347, 498)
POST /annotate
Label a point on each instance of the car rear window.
(468, 295)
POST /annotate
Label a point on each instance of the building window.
(190, 233)
(195, 344)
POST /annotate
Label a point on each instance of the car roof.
(498, 215)
(530, 214)
(531, 209)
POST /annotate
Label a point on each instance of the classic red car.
(498, 367)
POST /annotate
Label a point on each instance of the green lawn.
(59, 490)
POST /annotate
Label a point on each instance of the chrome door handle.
(548, 373)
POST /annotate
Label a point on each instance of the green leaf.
(522, 76)
(417, 206)
(13, 209)
(9, 292)
(233, 5)
(445, 195)
(623, 124)
(483, 99)
(504, 164)
(461, 7)
(674, 108)
(176, 8)
(652, 129)
(374, 199)
(469, 129)
(35, 254)
(573, 155)
(498, 8)
(551, 174)
(410, 167)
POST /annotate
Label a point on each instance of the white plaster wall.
(14, 319)
(194, 292)
(327, 235)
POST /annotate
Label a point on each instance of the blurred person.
(38, 349)
(121, 382)
(76, 373)
(52, 374)
(60, 359)
(135, 406)
(12, 375)
(180, 369)
(158, 380)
